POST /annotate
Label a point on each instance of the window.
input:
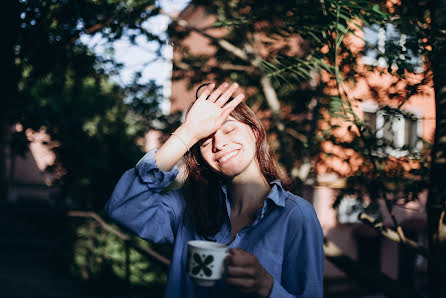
(383, 39)
(349, 209)
(402, 132)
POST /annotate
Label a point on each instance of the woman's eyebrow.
(228, 120)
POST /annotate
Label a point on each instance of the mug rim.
(210, 245)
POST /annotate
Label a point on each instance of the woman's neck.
(248, 194)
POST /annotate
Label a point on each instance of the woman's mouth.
(227, 156)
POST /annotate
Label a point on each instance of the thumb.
(236, 251)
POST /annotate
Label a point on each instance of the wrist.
(186, 135)
(266, 287)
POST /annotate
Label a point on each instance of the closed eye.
(229, 130)
(205, 144)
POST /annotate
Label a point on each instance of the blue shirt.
(286, 236)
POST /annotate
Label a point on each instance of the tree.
(437, 191)
(264, 45)
(251, 47)
(57, 82)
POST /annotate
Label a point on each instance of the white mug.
(205, 261)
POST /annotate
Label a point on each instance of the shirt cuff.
(150, 174)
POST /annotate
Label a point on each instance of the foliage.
(65, 87)
(59, 84)
(307, 96)
(98, 254)
(394, 172)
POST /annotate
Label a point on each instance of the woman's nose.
(219, 143)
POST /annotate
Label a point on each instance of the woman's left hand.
(245, 273)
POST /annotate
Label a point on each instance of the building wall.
(412, 215)
(29, 176)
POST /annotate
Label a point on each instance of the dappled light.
(350, 95)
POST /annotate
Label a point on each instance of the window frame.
(382, 35)
(398, 128)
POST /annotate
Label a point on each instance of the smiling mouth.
(227, 156)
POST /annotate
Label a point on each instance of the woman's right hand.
(208, 114)
(204, 118)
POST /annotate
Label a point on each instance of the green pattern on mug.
(202, 265)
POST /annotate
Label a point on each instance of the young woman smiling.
(235, 194)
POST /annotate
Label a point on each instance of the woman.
(234, 195)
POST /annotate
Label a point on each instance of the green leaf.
(207, 271)
(197, 258)
(209, 259)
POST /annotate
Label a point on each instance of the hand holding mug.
(245, 273)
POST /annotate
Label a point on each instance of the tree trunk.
(437, 189)
(10, 20)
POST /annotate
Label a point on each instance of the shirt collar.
(276, 195)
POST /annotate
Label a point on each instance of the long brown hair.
(205, 211)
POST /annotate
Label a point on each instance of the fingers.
(240, 272)
(206, 92)
(239, 258)
(243, 284)
(224, 98)
(231, 106)
(246, 274)
(218, 92)
(215, 96)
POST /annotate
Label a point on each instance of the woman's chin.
(230, 173)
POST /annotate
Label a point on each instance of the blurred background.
(351, 93)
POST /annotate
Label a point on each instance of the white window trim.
(398, 127)
(345, 211)
(381, 45)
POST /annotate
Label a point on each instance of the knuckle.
(250, 283)
(252, 271)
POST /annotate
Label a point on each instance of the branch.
(143, 250)
(255, 61)
(91, 29)
(271, 98)
(392, 234)
(249, 55)
(220, 41)
(225, 66)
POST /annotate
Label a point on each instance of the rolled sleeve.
(137, 203)
(149, 173)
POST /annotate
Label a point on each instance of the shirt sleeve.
(303, 264)
(138, 204)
